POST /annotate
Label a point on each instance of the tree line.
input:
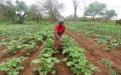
(19, 12)
(94, 11)
(99, 9)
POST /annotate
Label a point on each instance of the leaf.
(69, 63)
(36, 61)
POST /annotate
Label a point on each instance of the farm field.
(87, 49)
(60, 37)
(28, 50)
(102, 44)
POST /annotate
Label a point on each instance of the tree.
(1, 10)
(51, 7)
(95, 9)
(32, 13)
(75, 6)
(109, 14)
(69, 18)
(9, 13)
(2, 7)
(21, 10)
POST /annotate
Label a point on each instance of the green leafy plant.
(113, 44)
(109, 64)
(76, 59)
(12, 66)
(105, 33)
(46, 61)
(24, 39)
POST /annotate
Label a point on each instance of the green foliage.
(20, 5)
(113, 44)
(21, 10)
(12, 66)
(26, 38)
(23, 38)
(109, 63)
(105, 33)
(103, 40)
(95, 9)
(8, 12)
(46, 61)
(107, 40)
(76, 59)
(118, 21)
(109, 14)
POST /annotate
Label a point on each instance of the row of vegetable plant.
(46, 62)
(76, 59)
(12, 66)
(105, 33)
(24, 39)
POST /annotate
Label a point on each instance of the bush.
(85, 19)
(118, 21)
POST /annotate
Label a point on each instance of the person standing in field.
(58, 32)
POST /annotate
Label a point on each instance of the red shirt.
(59, 29)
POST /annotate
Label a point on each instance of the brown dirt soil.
(95, 53)
(2, 48)
(5, 55)
(28, 68)
(2, 51)
(61, 68)
(3, 37)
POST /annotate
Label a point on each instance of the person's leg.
(59, 42)
(56, 43)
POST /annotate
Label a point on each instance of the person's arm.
(56, 34)
(62, 34)
(64, 29)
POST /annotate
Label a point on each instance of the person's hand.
(62, 38)
(59, 38)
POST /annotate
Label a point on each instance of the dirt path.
(28, 68)
(95, 53)
(61, 68)
(2, 48)
(7, 56)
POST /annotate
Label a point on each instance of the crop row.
(104, 33)
(75, 58)
(23, 39)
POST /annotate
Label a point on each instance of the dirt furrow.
(61, 68)
(28, 68)
(95, 53)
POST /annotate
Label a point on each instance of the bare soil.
(61, 68)
(95, 53)
(28, 67)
